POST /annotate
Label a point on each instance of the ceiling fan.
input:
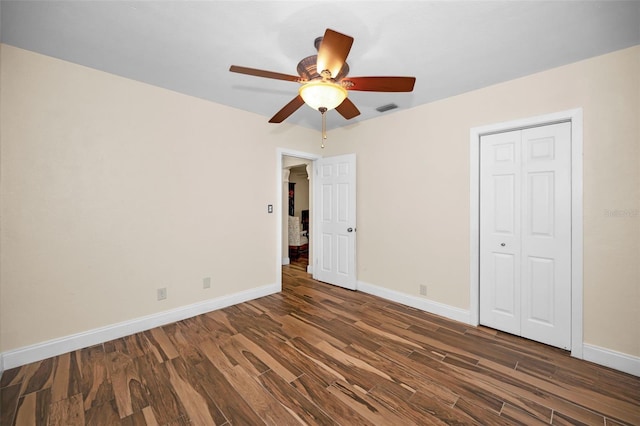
(324, 81)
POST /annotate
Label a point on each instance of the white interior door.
(500, 231)
(525, 233)
(335, 220)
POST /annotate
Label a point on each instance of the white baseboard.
(40, 351)
(612, 359)
(427, 305)
(286, 261)
(309, 269)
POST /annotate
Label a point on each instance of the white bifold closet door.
(525, 233)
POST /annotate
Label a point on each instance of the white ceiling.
(450, 46)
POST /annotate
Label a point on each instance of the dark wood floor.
(317, 354)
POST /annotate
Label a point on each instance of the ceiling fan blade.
(287, 110)
(347, 109)
(380, 84)
(262, 73)
(333, 52)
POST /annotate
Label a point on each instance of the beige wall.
(112, 188)
(413, 188)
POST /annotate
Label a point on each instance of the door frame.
(574, 116)
(279, 207)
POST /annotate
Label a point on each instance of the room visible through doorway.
(297, 211)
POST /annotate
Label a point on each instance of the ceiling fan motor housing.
(307, 69)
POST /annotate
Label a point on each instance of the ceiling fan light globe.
(322, 94)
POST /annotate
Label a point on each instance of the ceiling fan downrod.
(323, 112)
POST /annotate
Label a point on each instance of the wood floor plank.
(160, 345)
(518, 416)
(133, 345)
(240, 391)
(156, 384)
(149, 418)
(315, 390)
(482, 416)
(303, 364)
(26, 410)
(367, 406)
(199, 407)
(95, 384)
(185, 336)
(396, 397)
(192, 374)
(295, 326)
(39, 376)
(609, 422)
(474, 345)
(237, 355)
(277, 305)
(249, 347)
(66, 377)
(409, 379)
(287, 394)
(419, 408)
(43, 407)
(277, 349)
(385, 337)
(520, 395)
(329, 358)
(231, 403)
(136, 419)
(102, 414)
(561, 419)
(416, 316)
(9, 396)
(218, 323)
(67, 412)
(457, 381)
(125, 379)
(12, 376)
(318, 354)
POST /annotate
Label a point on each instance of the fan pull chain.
(323, 111)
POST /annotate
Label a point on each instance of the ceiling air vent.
(387, 107)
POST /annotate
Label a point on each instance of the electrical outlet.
(423, 290)
(162, 293)
(206, 282)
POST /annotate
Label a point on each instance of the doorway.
(573, 118)
(301, 179)
(298, 218)
(332, 197)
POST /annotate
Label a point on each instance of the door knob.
(349, 229)
(503, 244)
